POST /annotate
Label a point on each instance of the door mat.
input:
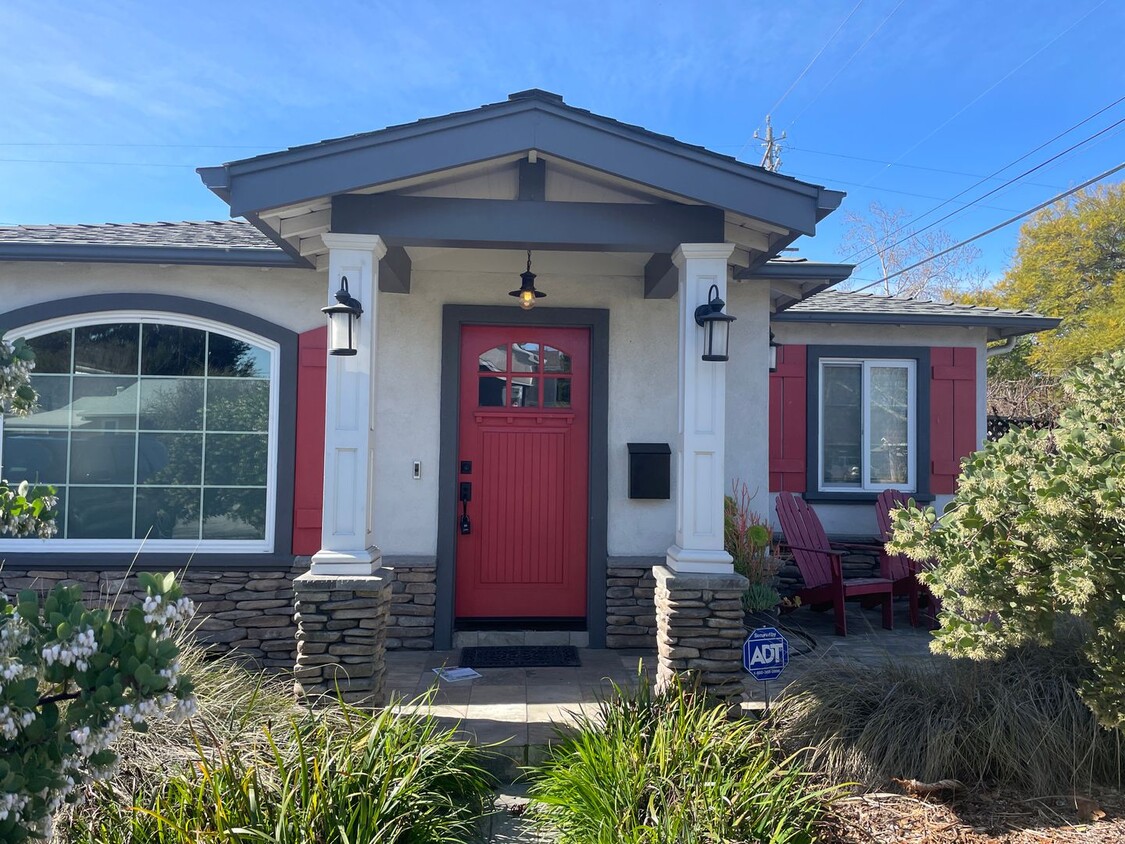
(521, 656)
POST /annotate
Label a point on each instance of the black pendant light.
(527, 294)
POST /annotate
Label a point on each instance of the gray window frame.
(921, 357)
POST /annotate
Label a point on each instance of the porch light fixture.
(774, 346)
(527, 294)
(342, 318)
(716, 326)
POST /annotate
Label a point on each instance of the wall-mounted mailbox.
(650, 470)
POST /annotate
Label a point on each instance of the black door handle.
(466, 495)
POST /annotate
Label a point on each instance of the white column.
(347, 545)
(701, 475)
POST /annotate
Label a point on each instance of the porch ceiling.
(513, 174)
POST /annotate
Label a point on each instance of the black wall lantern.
(527, 294)
(716, 326)
(342, 318)
(774, 346)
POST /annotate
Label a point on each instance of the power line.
(844, 66)
(835, 181)
(996, 189)
(808, 67)
(995, 228)
(991, 87)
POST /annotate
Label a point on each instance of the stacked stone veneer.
(341, 636)
(855, 564)
(250, 612)
(630, 609)
(700, 630)
(247, 612)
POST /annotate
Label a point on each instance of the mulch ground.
(978, 816)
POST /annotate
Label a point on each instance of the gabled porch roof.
(383, 182)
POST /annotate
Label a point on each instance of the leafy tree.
(887, 236)
(1070, 263)
(1036, 533)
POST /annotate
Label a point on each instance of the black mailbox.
(650, 470)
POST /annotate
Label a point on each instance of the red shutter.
(788, 420)
(953, 414)
(308, 487)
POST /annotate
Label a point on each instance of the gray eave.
(98, 253)
(843, 307)
(532, 120)
(793, 281)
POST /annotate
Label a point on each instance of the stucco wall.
(642, 382)
(290, 298)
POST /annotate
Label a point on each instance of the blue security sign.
(765, 654)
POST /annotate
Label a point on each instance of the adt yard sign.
(765, 654)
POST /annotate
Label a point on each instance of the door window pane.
(525, 392)
(841, 424)
(555, 360)
(525, 357)
(556, 392)
(494, 360)
(490, 391)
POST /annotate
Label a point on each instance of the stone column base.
(341, 636)
(699, 630)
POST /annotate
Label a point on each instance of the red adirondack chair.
(821, 566)
(899, 568)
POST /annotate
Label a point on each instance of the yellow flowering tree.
(1035, 533)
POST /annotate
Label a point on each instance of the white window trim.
(165, 546)
(867, 364)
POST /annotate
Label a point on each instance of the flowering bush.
(71, 679)
(16, 362)
(25, 510)
(1037, 532)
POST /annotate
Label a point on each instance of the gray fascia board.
(1006, 326)
(341, 167)
(833, 273)
(527, 224)
(100, 253)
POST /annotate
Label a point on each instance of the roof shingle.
(204, 234)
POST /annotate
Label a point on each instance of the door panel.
(524, 430)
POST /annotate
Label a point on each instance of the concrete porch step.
(499, 638)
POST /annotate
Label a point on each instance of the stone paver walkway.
(521, 709)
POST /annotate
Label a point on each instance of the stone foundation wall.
(413, 599)
(855, 564)
(248, 612)
(630, 608)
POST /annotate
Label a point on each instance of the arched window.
(155, 428)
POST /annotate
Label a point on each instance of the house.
(473, 463)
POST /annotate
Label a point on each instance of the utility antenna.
(771, 158)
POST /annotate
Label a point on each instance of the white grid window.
(868, 425)
(155, 429)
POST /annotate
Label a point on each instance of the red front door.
(524, 434)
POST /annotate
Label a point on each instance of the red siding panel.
(788, 420)
(308, 488)
(953, 414)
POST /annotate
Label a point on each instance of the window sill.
(859, 497)
(146, 561)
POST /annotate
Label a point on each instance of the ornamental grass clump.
(672, 768)
(254, 766)
(1018, 722)
(1036, 533)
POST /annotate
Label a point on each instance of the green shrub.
(1036, 533)
(258, 768)
(1017, 722)
(671, 769)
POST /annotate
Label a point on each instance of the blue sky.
(109, 106)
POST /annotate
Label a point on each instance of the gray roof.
(842, 306)
(223, 242)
